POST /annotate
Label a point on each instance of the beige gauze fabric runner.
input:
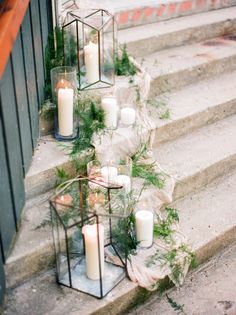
(144, 267)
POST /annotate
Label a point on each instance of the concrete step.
(49, 155)
(207, 218)
(130, 13)
(208, 290)
(178, 32)
(33, 247)
(196, 105)
(175, 68)
(198, 158)
(195, 160)
(192, 107)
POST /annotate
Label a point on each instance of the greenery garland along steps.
(91, 118)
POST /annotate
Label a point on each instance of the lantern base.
(113, 275)
(60, 137)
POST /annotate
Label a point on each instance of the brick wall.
(170, 9)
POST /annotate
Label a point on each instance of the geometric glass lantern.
(89, 44)
(90, 233)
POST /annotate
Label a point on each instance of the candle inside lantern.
(96, 200)
(127, 115)
(91, 59)
(94, 250)
(65, 97)
(109, 174)
(144, 227)
(63, 202)
(94, 173)
(109, 105)
(125, 181)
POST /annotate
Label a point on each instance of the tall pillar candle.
(109, 174)
(94, 252)
(109, 105)
(91, 62)
(65, 111)
(144, 227)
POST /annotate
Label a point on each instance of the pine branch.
(145, 170)
(123, 65)
(177, 307)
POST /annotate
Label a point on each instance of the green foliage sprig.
(160, 104)
(123, 65)
(176, 307)
(145, 170)
(92, 120)
(123, 235)
(170, 256)
(164, 226)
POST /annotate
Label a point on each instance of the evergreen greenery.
(123, 234)
(160, 104)
(145, 170)
(62, 176)
(123, 65)
(164, 228)
(176, 307)
(91, 120)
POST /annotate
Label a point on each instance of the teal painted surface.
(22, 103)
(21, 96)
(30, 73)
(7, 216)
(37, 47)
(2, 281)
(12, 139)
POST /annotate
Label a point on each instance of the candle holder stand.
(64, 94)
(89, 231)
(89, 45)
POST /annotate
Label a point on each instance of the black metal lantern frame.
(90, 45)
(89, 230)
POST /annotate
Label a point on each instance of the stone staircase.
(196, 56)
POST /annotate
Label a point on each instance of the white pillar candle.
(127, 115)
(125, 181)
(109, 105)
(93, 250)
(91, 59)
(144, 227)
(109, 174)
(65, 111)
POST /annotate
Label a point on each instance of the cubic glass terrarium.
(89, 44)
(89, 224)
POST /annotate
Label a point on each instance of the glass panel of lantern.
(89, 44)
(64, 94)
(89, 223)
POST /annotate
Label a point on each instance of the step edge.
(44, 250)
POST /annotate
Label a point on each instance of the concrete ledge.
(192, 107)
(196, 159)
(175, 68)
(178, 32)
(195, 106)
(200, 158)
(206, 219)
(153, 11)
